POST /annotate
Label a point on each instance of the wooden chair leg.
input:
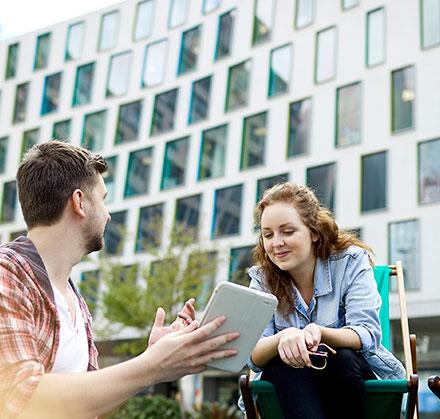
(413, 386)
(248, 401)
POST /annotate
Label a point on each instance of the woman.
(327, 294)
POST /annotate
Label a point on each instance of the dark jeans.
(337, 391)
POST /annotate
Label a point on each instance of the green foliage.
(214, 410)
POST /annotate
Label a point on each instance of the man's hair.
(49, 174)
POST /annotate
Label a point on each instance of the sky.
(18, 17)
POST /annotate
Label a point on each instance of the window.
(430, 11)
(263, 20)
(138, 172)
(268, 182)
(376, 37)
(178, 13)
(305, 13)
(239, 263)
(348, 4)
(21, 96)
(203, 265)
(128, 122)
(374, 181)
(16, 234)
(404, 245)
(224, 34)
(155, 59)
(109, 31)
(149, 233)
(254, 140)
(164, 111)
(403, 97)
(94, 130)
(325, 65)
(30, 138)
(42, 51)
(118, 74)
(187, 215)
(83, 84)
(199, 105)
(9, 202)
(12, 62)
(280, 70)
(115, 232)
(144, 20)
(227, 211)
(300, 124)
(89, 287)
(238, 86)
(189, 50)
(210, 5)
(429, 171)
(75, 41)
(213, 152)
(322, 179)
(348, 114)
(61, 130)
(3, 153)
(174, 164)
(51, 94)
(110, 177)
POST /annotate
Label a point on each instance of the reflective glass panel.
(110, 177)
(155, 59)
(144, 20)
(150, 225)
(178, 13)
(89, 287)
(348, 4)
(325, 66)
(189, 50)
(42, 51)
(239, 263)
(94, 130)
(403, 98)
(305, 13)
(254, 140)
(322, 179)
(376, 37)
(11, 64)
(224, 34)
(109, 31)
(21, 96)
(430, 10)
(187, 215)
(75, 41)
(128, 122)
(349, 114)
(138, 173)
(174, 164)
(374, 181)
(164, 112)
(199, 105)
(429, 171)
(300, 123)
(30, 138)
(238, 86)
(280, 70)
(227, 211)
(115, 233)
(268, 182)
(9, 201)
(83, 84)
(118, 75)
(3, 154)
(61, 130)
(51, 94)
(210, 5)
(263, 20)
(213, 152)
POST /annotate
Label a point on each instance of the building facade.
(199, 105)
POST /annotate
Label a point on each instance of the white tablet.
(247, 311)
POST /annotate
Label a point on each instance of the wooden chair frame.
(434, 385)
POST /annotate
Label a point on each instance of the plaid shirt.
(29, 325)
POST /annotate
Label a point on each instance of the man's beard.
(94, 243)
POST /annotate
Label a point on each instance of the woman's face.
(287, 240)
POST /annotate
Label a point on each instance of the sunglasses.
(319, 358)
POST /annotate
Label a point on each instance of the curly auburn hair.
(321, 224)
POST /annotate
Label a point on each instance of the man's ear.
(77, 200)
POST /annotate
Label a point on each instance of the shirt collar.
(322, 278)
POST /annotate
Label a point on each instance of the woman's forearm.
(265, 349)
(340, 338)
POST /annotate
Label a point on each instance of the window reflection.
(322, 179)
(254, 139)
(374, 181)
(51, 93)
(128, 122)
(348, 124)
(178, 13)
(138, 173)
(118, 76)
(199, 105)
(325, 66)
(238, 86)
(300, 123)
(174, 165)
(213, 152)
(164, 112)
(227, 211)
(155, 59)
(280, 70)
(83, 84)
(144, 19)
(75, 41)
(94, 130)
(109, 31)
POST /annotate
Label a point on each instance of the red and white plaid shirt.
(29, 325)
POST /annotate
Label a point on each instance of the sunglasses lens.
(318, 361)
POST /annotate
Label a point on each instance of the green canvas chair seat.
(384, 397)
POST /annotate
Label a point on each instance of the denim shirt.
(345, 296)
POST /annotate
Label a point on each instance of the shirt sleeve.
(362, 304)
(20, 367)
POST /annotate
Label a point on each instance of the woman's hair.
(322, 226)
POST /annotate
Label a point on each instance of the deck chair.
(434, 385)
(384, 397)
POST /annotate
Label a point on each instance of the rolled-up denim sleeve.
(362, 303)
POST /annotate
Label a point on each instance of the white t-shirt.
(73, 351)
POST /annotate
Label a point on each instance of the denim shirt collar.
(322, 278)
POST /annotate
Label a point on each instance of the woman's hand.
(293, 346)
(313, 336)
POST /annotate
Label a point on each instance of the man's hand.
(185, 317)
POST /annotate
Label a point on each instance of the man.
(48, 361)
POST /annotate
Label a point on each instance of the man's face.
(97, 216)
